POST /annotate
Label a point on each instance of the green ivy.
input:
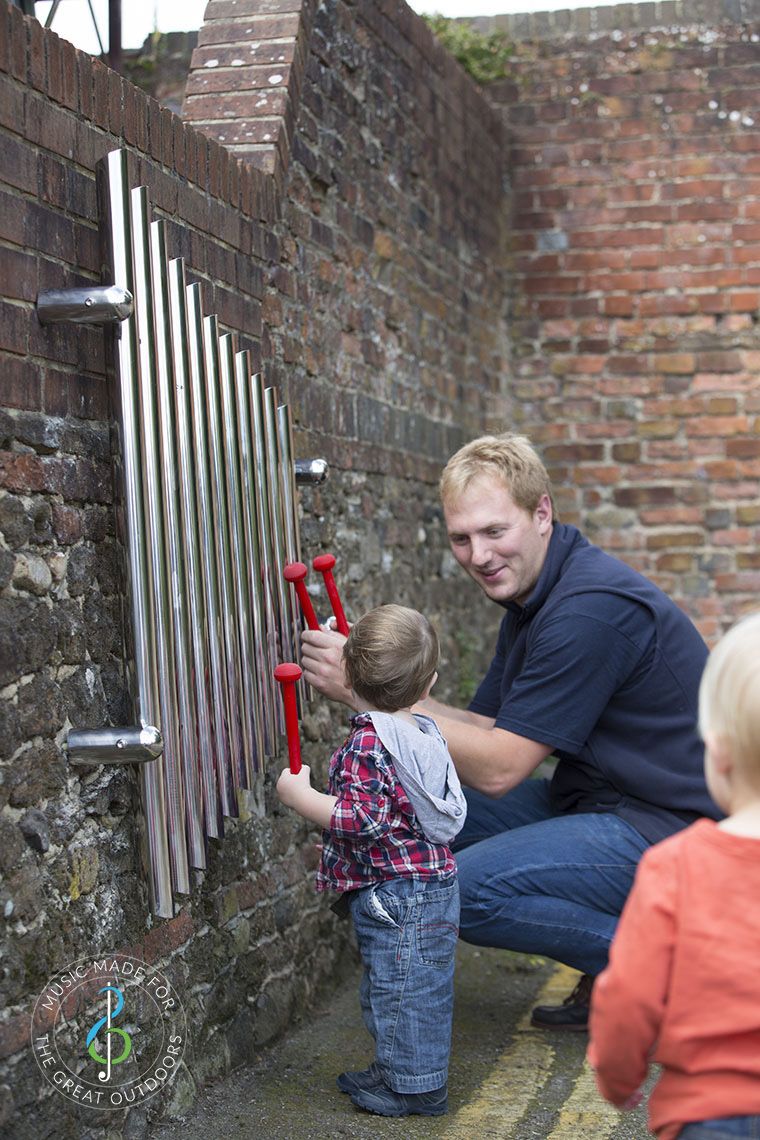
(484, 56)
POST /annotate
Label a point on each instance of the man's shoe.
(572, 1014)
(364, 1079)
(385, 1102)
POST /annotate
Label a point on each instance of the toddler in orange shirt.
(682, 987)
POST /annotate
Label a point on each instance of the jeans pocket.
(437, 928)
(383, 909)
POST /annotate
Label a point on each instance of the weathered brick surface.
(636, 285)
(365, 276)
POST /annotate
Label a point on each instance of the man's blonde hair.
(511, 458)
(390, 657)
(729, 694)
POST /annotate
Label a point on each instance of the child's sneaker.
(385, 1102)
(363, 1079)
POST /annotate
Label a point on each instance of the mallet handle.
(295, 572)
(287, 674)
(324, 563)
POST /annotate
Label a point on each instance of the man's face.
(499, 544)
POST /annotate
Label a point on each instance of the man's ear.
(544, 513)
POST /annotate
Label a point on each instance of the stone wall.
(368, 289)
(634, 165)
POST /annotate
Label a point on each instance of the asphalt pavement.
(507, 1080)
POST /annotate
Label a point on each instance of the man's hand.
(322, 663)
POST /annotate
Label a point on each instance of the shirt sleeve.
(366, 809)
(575, 663)
(629, 997)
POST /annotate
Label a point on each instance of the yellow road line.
(519, 1073)
(504, 1096)
(578, 1121)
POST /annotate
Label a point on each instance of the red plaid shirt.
(374, 833)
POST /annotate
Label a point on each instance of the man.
(593, 665)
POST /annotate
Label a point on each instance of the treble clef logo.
(108, 1060)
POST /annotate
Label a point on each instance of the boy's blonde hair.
(511, 458)
(390, 657)
(729, 694)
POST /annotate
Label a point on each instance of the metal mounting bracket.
(134, 744)
(97, 305)
(311, 470)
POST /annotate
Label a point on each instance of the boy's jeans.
(723, 1128)
(407, 933)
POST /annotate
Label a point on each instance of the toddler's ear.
(720, 752)
(433, 680)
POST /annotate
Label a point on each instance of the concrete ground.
(507, 1080)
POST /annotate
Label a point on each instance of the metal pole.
(206, 661)
(253, 559)
(140, 654)
(252, 726)
(270, 569)
(175, 553)
(160, 612)
(226, 726)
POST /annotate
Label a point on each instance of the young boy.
(393, 806)
(683, 985)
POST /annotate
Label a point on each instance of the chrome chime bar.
(208, 518)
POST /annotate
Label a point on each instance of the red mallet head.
(324, 563)
(287, 674)
(295, 572)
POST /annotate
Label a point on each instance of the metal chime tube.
(288, 481)
(238, 560)
(254, 580)
(115, 199)
(242, 753)
(290, 518)
(208, 519)
(269, 569)
(176, 552)
(285, 614)
(226, 726)
(154, 517)
(209, 701)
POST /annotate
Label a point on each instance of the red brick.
(20, 383)
(15, 39)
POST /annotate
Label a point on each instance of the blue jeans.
(722, 1128)
(542, 883)
(407, 933)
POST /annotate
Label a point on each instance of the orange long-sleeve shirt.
(682, 987)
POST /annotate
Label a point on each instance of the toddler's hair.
(510, 458)
(390, 657)
(729, 694)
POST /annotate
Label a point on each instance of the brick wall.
(366, 254)
(393, 210)
(634, 164)
(367, 285)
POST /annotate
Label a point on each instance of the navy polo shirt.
(604, 667)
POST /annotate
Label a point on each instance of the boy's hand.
(292, 789)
